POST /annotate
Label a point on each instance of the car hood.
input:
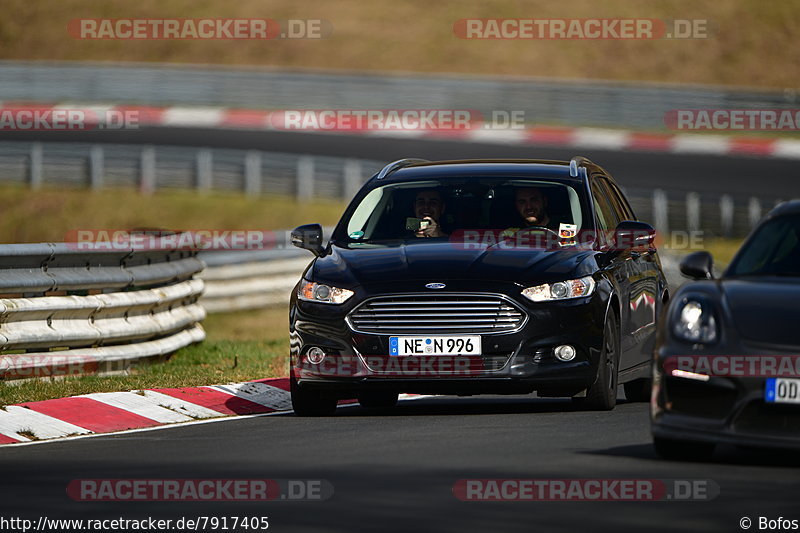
(764, 311)
(441, 261)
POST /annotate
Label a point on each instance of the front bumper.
(723, 409)
(517, 363)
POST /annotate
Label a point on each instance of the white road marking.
(259, 393)
(181, 406)
(139, 405)
(16, 419)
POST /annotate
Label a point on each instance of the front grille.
(697, 398)
(453, 313)
(760, 417)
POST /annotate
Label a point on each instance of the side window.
(618, 201)
(607, 219)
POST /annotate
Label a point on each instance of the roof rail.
(400, 163)
(575, 162)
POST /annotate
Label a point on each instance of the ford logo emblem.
(435, 286)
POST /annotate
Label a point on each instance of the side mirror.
(308, 237)
(698, 265)
(633, 235)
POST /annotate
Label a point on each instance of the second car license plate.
(782, 390)
(460, 345)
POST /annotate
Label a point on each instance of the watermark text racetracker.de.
(742, 366)
(40, 118)
(199, 29)
(733, 119)
(394, 119)
(606, 490)
(581, 28)
(188, 240)
(217, 490)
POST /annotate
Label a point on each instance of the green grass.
(47, 215)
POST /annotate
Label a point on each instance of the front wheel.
(310, 402)
(602, 396)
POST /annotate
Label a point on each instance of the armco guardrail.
(250, 279)
(65, 311)
(148, 168)
(589, 103)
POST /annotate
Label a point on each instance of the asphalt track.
(395, 471)
(740, 176)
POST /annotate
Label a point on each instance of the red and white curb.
(586, 138)
(112, 412)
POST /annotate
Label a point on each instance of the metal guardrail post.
(204, 169)
(753, 211)
(660, 212)
(305, 177)
(726, 214)
(147, 176)
(96, 167)
(252, 173)
(35, 168)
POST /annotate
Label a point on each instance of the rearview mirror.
(308, 237)
(698, 265)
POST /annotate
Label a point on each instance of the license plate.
(782, 390)
(460, 345)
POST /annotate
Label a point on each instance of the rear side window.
(607, 218)
(618, 201)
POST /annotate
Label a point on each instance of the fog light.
(565, 352)
(315, 355)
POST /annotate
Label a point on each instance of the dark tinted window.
(608, 218)
(773, 250)
(618, 201)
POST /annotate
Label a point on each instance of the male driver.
(428, 206)
(531, 205)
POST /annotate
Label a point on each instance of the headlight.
(317, 292)
(561, 290)
(695, 323)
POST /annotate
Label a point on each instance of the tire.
(310, 402)
(683, 450)
(602, 396)
(638, 390)
(378, 399)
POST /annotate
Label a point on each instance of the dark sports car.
(469, 277)
(727, 368)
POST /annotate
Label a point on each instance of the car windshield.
(774, 250)
(441, 208)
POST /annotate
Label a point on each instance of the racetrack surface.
(395, 471)
(740, 176)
